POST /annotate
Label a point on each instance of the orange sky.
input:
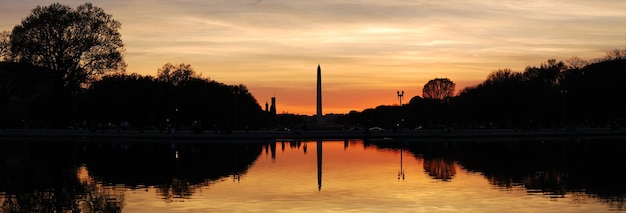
(367, 49)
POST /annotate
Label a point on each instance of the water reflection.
(401, 171)
(319, 165)
(440, 168)
(168, 164)
(108, 176)
(553, 169)
(37, 177)
(51, 176)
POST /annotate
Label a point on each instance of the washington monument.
(319, 94)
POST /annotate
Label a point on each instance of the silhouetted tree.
(552, 95)
(596, 93)
(146, 101)
(175, 74)
(548, 74)
(5, 45)
(542, 92)
(497, 102)
(615, 54)
(77, 44)
(439, 88)
(576, 63)
(502, 75)
(416, 115)
(133, 98)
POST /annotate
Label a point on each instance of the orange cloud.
(367, 50)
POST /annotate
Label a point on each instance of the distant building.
(273, 106)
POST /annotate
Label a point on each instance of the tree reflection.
(438, 162)
(177, 189)
(101, 199)
(439, 168)
(97, 197)
(176, 169)
(40, 176)
(52, 176)
(556, 169)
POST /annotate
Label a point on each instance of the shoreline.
(421, 135)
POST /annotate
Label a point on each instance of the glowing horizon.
(367, 49)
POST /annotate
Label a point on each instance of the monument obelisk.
(319, 95)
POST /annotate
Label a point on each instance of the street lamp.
(401, 171)
(400, 96)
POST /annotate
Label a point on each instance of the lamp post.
(400, 96)
(401, 171)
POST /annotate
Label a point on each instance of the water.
(568, 175)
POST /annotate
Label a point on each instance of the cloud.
(384, 43)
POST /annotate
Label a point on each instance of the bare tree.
(576, 63)
(5, 45)
(550, 72)
(77, 44)
(503, 75)
(616, 54)
(439, 89)
(176, 74)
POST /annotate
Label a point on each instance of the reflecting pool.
(566, 175)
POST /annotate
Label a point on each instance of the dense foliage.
(439, 88)
(127, 101)
(76, 44)
(56, 61)
(144, 101)
(553, 95)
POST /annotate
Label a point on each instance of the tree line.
(556, 94)
(177, 98)
(63, 67)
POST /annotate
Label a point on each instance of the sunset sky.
(367, 49)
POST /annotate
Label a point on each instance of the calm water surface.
(313, 176)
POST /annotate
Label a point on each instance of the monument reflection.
(169, 176)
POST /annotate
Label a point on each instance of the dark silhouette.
(319, 164)
(440, 168)
(551, 168)
(575, 95)
(549, 96)
(59, 83)
(41, 175)
(439, 89)
(194, 103)
(5, 45)
(176, 74)
(76, 44)
(26, 96)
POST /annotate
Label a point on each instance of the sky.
(367, 49)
